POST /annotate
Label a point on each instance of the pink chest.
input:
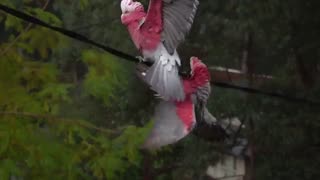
(185, 111)
(188, 87)
(134, 33)
(143, 38)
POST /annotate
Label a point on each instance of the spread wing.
(178, 17)
(173, 18)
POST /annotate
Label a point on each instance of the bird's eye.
(130, 3)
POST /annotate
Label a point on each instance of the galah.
(176, 119)
(156, 34)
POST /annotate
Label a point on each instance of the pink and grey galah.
(156, 34)
(173, 120)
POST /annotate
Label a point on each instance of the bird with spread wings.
(157, 34)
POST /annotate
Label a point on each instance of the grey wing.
(163, 76)
(200, 99)
(178, 17)
(203, 93)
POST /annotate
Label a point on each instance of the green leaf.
(45, 16)
(83, 4)
(5, 140)
(105, 76)
(13, 23)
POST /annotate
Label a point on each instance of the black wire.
(66, 32)
(271, 94)
(126, 56)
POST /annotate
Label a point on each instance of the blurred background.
(72, 111)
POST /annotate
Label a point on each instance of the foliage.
(104, 76)
(68, 111)
(44, 149)
(35, 141)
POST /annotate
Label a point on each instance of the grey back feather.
(178, 17)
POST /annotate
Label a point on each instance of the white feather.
(163, 75)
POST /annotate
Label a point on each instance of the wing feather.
(178, 17)
(173, 18)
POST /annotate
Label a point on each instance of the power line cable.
(66, 32)
(74, 35)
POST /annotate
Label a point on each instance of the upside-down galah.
(157, 34)
(175, 119)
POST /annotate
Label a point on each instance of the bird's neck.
(133, 21)
(132, 18)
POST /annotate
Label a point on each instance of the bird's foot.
(141, 59)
